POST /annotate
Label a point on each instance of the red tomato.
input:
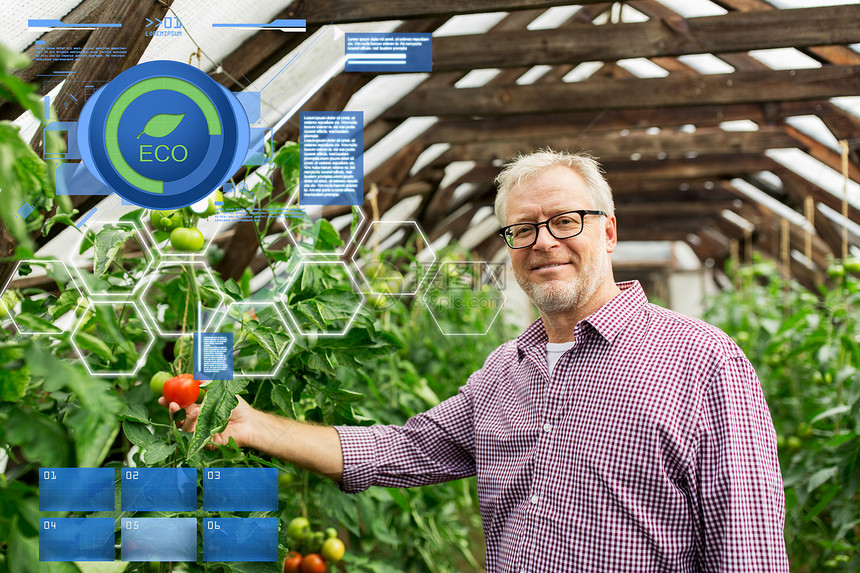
(313, 563)
(293, 562)
(182, 389)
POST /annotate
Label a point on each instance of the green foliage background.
(806, 350)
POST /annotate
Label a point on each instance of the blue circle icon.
(163, 135)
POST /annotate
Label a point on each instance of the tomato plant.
(806, 351)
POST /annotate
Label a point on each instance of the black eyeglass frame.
(581, 212)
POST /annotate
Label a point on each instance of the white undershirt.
(554, 350)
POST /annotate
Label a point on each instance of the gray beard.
(556, 297)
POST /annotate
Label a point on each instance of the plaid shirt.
(650, 448)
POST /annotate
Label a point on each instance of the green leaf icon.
(161, 124)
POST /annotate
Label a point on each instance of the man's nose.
(545, 240)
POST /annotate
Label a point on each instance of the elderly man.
(611, 435)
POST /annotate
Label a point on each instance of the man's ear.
(611, 234)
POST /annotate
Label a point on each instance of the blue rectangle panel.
(240, 539)
(388, 52)
(159, 539)
(76, 489)
(76, 539)
(159, 489)
(240, 489)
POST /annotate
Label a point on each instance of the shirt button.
(547, 427)
(534, 499)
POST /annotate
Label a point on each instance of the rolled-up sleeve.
(739, 494)
(431, 447)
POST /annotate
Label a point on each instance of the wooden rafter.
(635, 93)
(733, 32)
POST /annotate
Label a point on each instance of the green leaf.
(215, 412)
(94, 344)
(94, 432)
(274, 343)
(64, 218)
(288, 159)
(820, 477)
(830, 413)
(23, 554)
(161, 124)
(134, 413)
(42, 440)
(13, 383)
(138, 434)
(156, 452)
(106, 248)
(283, 399)
(102, 566)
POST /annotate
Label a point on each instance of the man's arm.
(316, 448)
(734, 472)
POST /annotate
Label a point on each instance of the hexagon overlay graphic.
(42, 312)
(461, 287)
(386, 271)
(306, 228)
(261, 339)
(100, 247)
(180, 295)
(322, 298)
(112, 339)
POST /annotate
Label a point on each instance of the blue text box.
(240, 539)
(76, 489)
(331, 166)
(213, 355)
(159, 539)
(76, 539)
(240, 489)
(159, 489)
(388, 52)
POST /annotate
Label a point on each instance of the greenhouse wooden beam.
(615, 144)
(843, 124)
(343, 11)
(822, 153)
(681, 90)
(619, 172)
(733, 32)
(660, 209)
(832, 54)
(574, 123)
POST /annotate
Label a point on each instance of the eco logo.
(163, 135)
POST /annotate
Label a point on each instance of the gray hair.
(525, 167)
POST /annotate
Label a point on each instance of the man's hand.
(316, 448)
(239, 426)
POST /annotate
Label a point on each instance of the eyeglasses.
(562, 226)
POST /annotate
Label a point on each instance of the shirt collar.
(607, 321)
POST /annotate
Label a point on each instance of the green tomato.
(10, 299)
(298, 528)
(207, 207)
(185, 239)
(852, 265)
(156, 383)
(333, 550)
(836, 271)
(165, 220)
(793, 443)
(330, 532)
